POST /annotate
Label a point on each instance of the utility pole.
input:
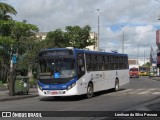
(138, 53)
(98, 31)
(123, 42)
(144, 56)
(122, 39)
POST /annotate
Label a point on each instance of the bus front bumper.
(70, 92)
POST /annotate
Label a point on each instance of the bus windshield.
(56, 67)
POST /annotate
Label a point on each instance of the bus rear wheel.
(90, 90)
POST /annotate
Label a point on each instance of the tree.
(148, 64)
(79, 37)
(6, 9)
(5, 43)
(73, 36)
(56, 39)
(15, 38)
(23, 34)
(6, 24)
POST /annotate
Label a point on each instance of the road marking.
(144, 92)
(124, 91)
(153, 91)
(136, 91)
(66, 109)
(156, 93)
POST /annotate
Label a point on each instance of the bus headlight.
(71, 86)
(40, 87)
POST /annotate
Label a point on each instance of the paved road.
(130, 97)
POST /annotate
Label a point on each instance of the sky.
(136, 19)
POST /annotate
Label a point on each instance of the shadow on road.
(77, 98)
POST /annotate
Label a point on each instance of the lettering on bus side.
(96, 76)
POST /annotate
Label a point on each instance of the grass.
(2, 84)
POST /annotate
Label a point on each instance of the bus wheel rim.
(90, 90)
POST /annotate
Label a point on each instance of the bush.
(33, 83)
(3, 81)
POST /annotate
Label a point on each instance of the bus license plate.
(56, 92)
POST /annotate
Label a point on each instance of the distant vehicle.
(144, 71)
(134, 72)
(67, 72)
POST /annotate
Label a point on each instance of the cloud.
(139, 18)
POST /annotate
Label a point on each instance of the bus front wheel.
(90, 90)
(116, 88)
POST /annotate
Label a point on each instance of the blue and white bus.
(72, 71)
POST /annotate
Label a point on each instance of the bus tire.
(116, 88)
(90, 90)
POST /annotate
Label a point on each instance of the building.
(137, 62)
(41, 35)
(133, 63)
(93, 35)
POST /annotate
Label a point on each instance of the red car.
(134, 72)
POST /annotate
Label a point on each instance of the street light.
(123, 40)
(98, 36)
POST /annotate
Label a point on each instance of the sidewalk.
(4, 95)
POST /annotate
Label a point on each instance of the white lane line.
(136, 91)
(153, 89)
(124, 91)
(156, 93)
(66, 109)
(144, 92)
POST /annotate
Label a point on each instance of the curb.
(8, 98)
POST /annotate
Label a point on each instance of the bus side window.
(88, 62)
(80, 65)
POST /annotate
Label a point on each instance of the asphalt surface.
(140, 95)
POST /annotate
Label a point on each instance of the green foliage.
(5, 43)
(79, 37)
(73, 36)
(33, 82)
(147, 64)
(24, 35)
(6, 27)
(6, 9)
(56, 38)
(16, 38)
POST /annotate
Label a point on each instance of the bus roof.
(85, 51)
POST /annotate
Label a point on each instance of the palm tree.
(6, 9)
